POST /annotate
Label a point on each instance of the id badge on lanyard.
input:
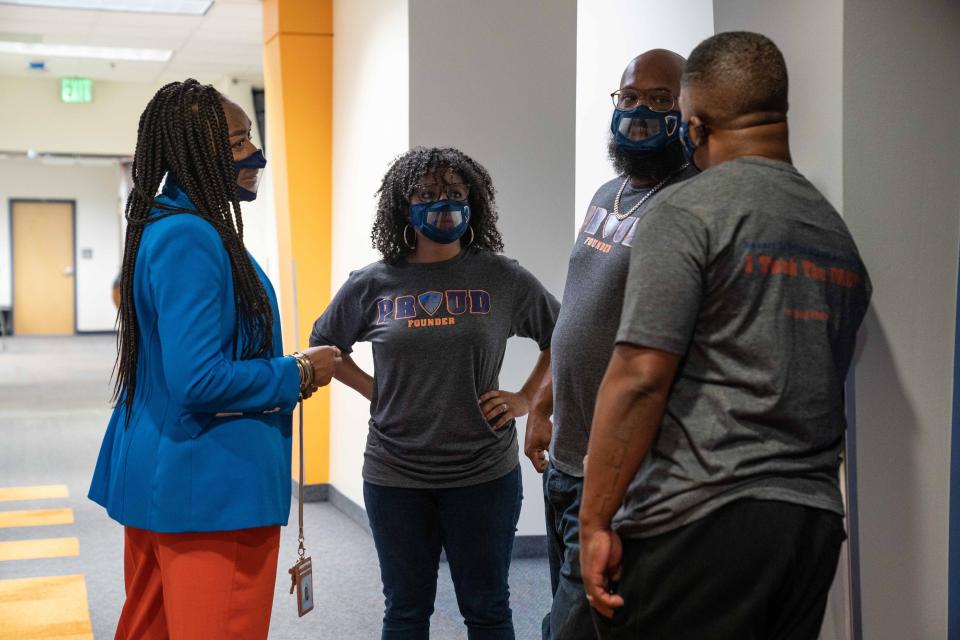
(301, 573)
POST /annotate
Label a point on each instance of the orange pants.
(199, 585)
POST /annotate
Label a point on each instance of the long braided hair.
(393, 200)
(183, 131)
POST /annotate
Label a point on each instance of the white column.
(497, 79)
(902, 201)
(370, 128)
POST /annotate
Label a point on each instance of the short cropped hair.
(738, 73)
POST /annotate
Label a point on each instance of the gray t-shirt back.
(751, 275)
(439, 331)
(586, 329)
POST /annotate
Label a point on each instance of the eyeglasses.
(434, 192)
(659, 100)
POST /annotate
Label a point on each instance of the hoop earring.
(410, 245)
(472, 237)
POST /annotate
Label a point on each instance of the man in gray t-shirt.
(714, 454)
(647, 154)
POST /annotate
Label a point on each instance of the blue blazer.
(177, 466)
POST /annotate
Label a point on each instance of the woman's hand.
(324, 361)
(505, 404)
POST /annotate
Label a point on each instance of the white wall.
(32, 116)
(502, 89)
(610, 33)
(370, 128)
(95, 190)
(902, 202)
(810, 35)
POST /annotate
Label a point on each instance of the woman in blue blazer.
(196, 459)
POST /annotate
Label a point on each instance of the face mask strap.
(689, 146)
(672, 123)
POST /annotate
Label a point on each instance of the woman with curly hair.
(441, 467)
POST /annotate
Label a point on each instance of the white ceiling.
(227, 41)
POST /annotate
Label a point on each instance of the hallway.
(61, 557)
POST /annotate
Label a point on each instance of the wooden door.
(43, 268)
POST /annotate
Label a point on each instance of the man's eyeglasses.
(659, 100)
(434, 192)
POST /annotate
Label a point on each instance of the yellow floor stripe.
(41, 548)
(53, 607)
(34, 493)
(35, 517)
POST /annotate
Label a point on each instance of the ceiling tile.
(134, 39)
(38, 14)
(225, 42)
(124, 20)
(48, 31)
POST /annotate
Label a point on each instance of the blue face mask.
(443, 221)
(644, 129)
(253, 161)
(688, 145)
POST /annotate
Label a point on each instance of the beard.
(648, 166)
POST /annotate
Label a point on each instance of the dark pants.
(474, 525)
(752, 570)
(569, 617)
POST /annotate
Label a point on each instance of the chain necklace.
(656, 187)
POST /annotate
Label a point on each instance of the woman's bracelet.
(306, 372)
(305, 367)
(308, 368)
(300, 371)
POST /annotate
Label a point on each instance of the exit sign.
(76, 90)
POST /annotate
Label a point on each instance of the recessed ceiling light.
(80, 51)
(183, 7)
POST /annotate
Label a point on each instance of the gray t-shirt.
(439, 331)
(752, 276)
(587, 326)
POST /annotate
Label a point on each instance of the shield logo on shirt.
(430, 301)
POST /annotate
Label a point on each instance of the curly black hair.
(393, 200)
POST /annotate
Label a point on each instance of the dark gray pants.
(569, 617)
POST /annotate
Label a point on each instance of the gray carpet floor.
(53, 409)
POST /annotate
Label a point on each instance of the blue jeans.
(569, 617)
(474, 525)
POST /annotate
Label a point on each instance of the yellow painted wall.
(298, 78)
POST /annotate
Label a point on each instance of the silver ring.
(505, 407)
